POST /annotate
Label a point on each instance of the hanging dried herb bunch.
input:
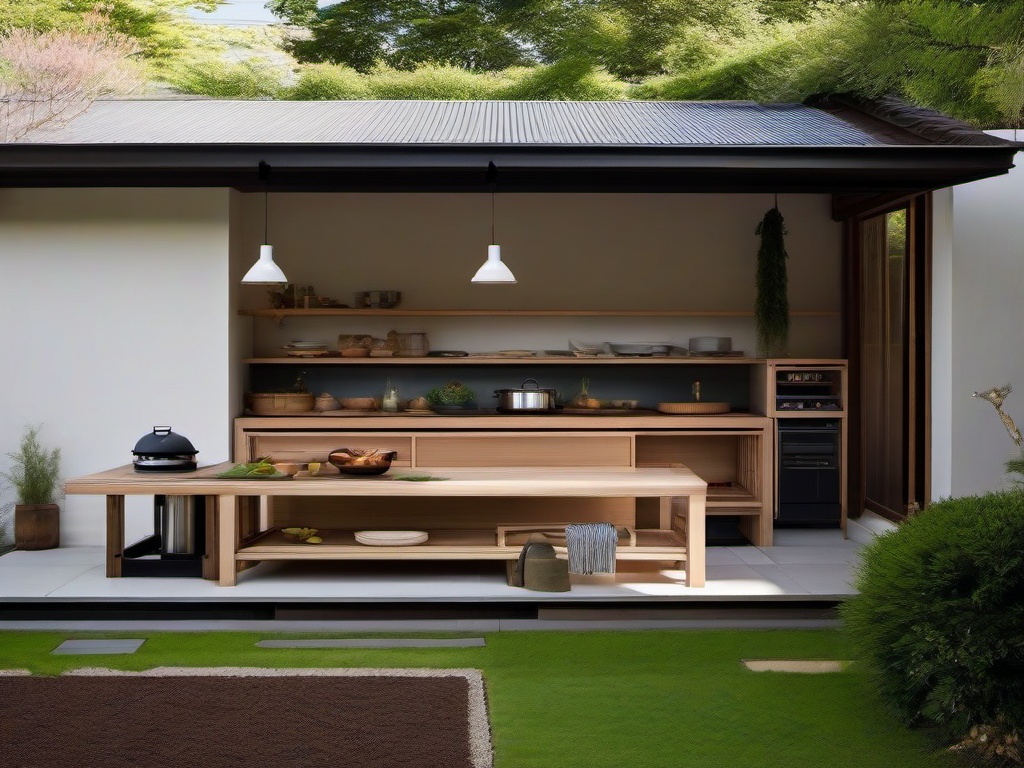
(771, 309)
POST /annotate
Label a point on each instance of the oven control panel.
(808, 390)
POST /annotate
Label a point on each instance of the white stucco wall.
(117, 315)
(978, 326)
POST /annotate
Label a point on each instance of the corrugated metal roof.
(467, 123)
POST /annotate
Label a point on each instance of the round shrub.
(329, 82)
(940, 615)
(433, 82)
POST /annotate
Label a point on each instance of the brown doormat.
(166, 718)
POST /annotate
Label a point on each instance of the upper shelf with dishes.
(411, 347)
(281, 314)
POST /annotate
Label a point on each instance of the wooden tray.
(607, 411)
(697, 409)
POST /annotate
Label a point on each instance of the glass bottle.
(389, 402)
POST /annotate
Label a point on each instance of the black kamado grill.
(177, 546)
(164, 451)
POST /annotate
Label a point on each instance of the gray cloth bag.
(540, 570)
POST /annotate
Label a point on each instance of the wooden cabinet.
(732, 453)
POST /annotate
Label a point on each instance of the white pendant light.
(265, 271)
(493, 271)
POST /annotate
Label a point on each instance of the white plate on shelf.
(306, 345)
(391, 538)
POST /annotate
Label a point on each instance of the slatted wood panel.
(524, 451)
(444, 513)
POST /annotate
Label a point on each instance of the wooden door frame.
(917, 398)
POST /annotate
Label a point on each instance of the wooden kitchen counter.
(234, 503)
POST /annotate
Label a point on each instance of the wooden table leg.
(227, 543)
(695, 540)
(115, 535)
(211, 553)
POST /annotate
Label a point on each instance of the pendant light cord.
(492, 179)
(265, 177)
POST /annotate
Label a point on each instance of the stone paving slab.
(96, 647)
(804, 666)
(379, 642)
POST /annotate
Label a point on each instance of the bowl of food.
(362, 461)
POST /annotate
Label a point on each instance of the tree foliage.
(402, 34)
(47, 78)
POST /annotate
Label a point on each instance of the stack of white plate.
(586, 347)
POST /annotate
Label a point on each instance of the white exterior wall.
(117, 315)
(978, 327)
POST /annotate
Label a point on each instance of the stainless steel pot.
(526, 399)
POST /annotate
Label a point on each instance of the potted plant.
(34, 477)
(452, 396)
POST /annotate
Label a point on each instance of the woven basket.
(280, 402)
(696, 409)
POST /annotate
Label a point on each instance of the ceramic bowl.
(362, 461)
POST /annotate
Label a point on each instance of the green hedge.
(940, 614)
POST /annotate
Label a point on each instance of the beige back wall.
(593, 251)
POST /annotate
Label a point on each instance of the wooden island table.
(236, 537)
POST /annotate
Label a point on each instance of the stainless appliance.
(808, 473)
(526, 399)
(177, 545)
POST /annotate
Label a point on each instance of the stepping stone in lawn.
(96, 647)
(804, 666)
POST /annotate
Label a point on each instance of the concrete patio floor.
(802, 565)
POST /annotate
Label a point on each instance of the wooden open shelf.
(280, 314)
(463, 544)
(497, 360)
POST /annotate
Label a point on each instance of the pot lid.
(161, 441)
(524, 388)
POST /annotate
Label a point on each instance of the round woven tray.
(699, 409)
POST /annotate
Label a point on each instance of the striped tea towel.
(591, 547)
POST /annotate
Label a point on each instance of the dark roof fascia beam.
(419, 168)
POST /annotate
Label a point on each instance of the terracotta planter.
(36, 526)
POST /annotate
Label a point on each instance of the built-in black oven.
(809, 473)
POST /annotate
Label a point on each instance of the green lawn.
(593, 699)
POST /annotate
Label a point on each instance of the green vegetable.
(418, 478)
(259, 468)
(452, 393)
